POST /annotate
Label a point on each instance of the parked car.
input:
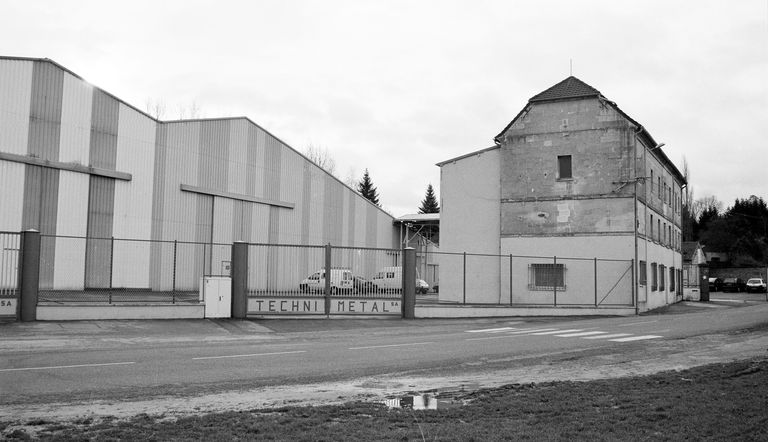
(715, 284)
(422, 286)
(756, 285)
(390, 279)
(341, 281)
(733, 285)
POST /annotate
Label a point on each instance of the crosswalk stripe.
(491, 330)
(636, 338)
(555, 332)
(615, 335)
(581, 334)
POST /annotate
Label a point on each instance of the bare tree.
(155, 108)
(351, 178)
(189, 112)
(322, 157)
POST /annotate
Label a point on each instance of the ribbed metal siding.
(104, 122)
(101, 201)
(77, 104)
(15, 93)
(70, 253)
(237, 173)
(214, 154)
(45, 111)
(350, 213)
(372, 224)
(332, 210)
(11, 196)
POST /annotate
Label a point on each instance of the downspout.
(636, 282)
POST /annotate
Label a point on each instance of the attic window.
(564, 171)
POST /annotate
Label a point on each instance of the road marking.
(636, 338)
(250, 355)
(555, 332)
(491, 330)
(391, 345)
(636, 323)
(581, 334)
(492, 337)
(530, 331)
(615, 335)
(54, 367)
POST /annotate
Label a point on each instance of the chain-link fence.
(517, 280)
(112, 270)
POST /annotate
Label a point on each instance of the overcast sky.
(397, 86)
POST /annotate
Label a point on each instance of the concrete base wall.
(101, 311)
(481, 311)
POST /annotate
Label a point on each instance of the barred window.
(642, 273)
(654, 279)
(662, 268)
(546, 277)
(671, 279)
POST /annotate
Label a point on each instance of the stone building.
(572, 185)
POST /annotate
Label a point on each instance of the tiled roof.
(688, 249)
(571, 87)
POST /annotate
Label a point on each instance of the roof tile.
(571, 87)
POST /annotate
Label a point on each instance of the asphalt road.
(134, 359)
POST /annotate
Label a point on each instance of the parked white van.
(390, 279)
(341, 281)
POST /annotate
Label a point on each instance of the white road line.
(391, 345)
(530, 330)
(496, 336)
(636, 338)
(491, 330)
(615, 335)
(250, 355)
(555, 332)
(636, 323)
(54, 367)
(582, 334)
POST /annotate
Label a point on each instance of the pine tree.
(429, 203)
(367, 189)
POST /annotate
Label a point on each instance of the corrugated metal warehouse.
(76, 161)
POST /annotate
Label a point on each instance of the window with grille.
(661, 277)
(546, 277)
(564, 170)
(654, 280)
(671, 279)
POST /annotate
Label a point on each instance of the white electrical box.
(216, 293)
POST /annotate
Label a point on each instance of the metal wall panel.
(306, 203)
(291, 189)
(135, 154)
(104, 122)
(12, 195)
(372, 226)
(75, 120)
(316, 205)
(349, 216)
(256, 159)
(214, 154)
(101, 202)
(69, 262)
(15, 93)
(332, 210)
(272, 154)
(180, 209)
(41, 191)
(45, 111)
(237, 173)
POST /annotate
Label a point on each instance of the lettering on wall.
(7, 307)
(316, 306)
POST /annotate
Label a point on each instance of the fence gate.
(10, 252)
(296, 280)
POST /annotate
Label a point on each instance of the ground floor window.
(642, 274)
(662, 269)
(671, 279)
(654, 277)
(546, 277)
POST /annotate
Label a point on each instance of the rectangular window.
(564, 170)
(642, 275)
(658, 229)
(671, 279)
(651, 224)
(661, 277)
(546, 277)
(654, 280)
(661, 195)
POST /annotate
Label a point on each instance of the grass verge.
(717, 402)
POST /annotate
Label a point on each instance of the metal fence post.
(30, 275)
(595, 281)
(111, 265)
(554, 280)
(510, 279)
(409, 283)
(464, 282)
(328, 257)
(239, 280)
(173, 286)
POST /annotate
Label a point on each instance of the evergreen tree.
(429, 203)
(367, 189)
